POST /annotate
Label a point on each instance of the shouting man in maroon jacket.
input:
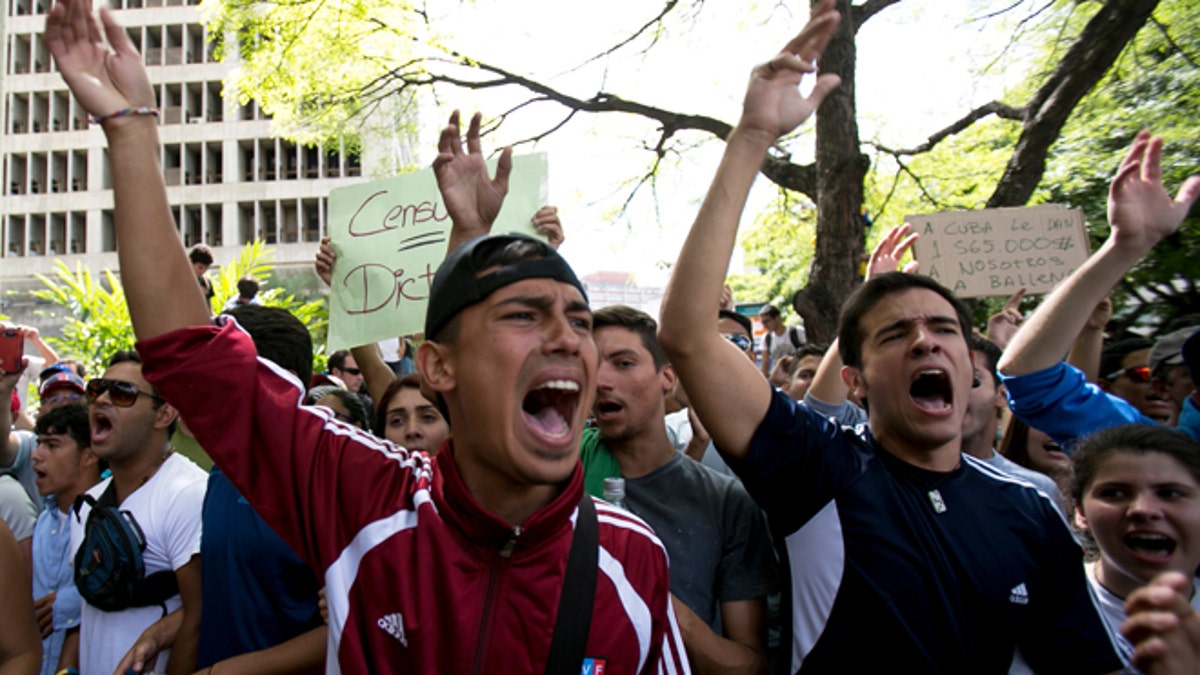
(453, 564)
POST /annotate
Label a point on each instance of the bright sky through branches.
(916, 64)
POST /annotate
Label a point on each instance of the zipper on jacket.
(485, 624)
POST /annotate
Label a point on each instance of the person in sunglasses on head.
(163, 492)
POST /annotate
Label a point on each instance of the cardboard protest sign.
(997, 251)
(390, 236)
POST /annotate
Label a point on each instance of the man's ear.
(435, 362)
(668, 378)
(164, 415)
(853, 379)
(87, 458)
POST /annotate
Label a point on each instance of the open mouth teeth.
(1151, 544)
(931, 390)
(550, 405)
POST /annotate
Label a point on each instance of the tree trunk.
(1081, 69)
(841, 170)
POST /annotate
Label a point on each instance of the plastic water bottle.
(614, 491)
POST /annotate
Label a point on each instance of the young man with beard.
(163, 491)
(901, 550)
(454, 564)
(722, 566)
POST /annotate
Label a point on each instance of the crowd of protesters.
(918, 496)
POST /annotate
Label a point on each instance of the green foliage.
(97, 316)
(315, 66)
(98, 319)
(1154, 85)
(780, 247)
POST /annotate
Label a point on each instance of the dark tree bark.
(841, 169)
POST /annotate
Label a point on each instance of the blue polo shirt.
(893, 567)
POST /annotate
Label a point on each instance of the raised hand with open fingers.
(1139, 209)
(100, 65)
(472, 199)
(888, 252)
(773, 103)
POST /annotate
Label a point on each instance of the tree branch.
(1001, 110)
(1081, 68)
(860, 13)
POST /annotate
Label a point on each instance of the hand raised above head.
(472, 199)
(323, 264)
(104, 76)
(773, 104)
(1140, 211)
(888, 252)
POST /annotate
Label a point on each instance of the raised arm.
(160, 287)
(1089, 344)
(1002, 326)
(376, 373)
(472, 199)
(729, 393)
(1141, 214)
(9, 442)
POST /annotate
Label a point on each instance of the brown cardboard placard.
(997, 251)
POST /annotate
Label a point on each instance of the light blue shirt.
(53, 571)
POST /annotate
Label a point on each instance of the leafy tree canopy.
(97, 318)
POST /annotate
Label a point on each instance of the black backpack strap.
(574, 616)
(794, 334)
(107, 498)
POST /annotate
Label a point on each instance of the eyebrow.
(544, 302)
(621, 353)
(938, 320)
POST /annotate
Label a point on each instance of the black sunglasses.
(743, 343)
(122, 394)
(352, 371)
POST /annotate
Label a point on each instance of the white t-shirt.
(1112, 610)
(167, 508)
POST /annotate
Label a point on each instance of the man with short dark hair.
(900, 548)
(341, 364)
(201, 258)
(723, 567)
(163, 491)
(66, 468)
(780, 340)
(448, 564)
(247, 294)
(1125, 373)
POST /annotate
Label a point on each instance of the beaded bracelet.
(143, 110)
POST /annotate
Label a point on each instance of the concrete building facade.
(229, 181)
